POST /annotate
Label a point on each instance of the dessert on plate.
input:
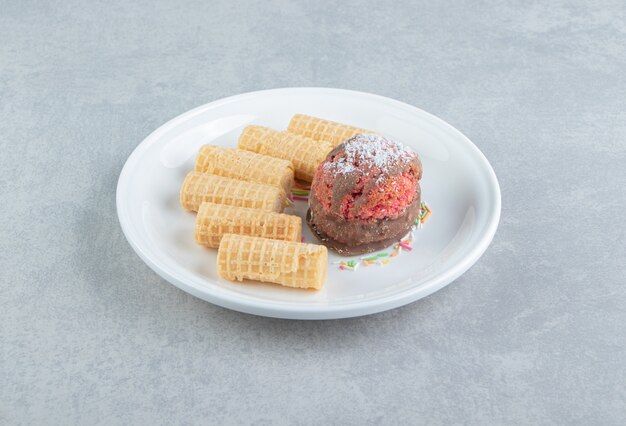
(365, 195)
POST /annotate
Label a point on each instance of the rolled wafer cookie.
(282, 262)
(323, 130)
(201, 187)
(215, 220)
(245, 165)
(304, 153)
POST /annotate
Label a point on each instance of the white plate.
(458, 184)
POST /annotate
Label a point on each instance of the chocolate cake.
(366, 195)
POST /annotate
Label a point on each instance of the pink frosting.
(387, 170)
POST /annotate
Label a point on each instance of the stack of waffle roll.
(240, 194)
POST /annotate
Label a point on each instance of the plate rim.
(284, 310)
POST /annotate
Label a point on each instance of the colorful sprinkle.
(378, 259)
(405, 246)
(303, 192)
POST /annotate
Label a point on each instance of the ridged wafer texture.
(215, 220)
(245, 165)
(282, 262)
(304, 153)
(201, 188)
(323, 130)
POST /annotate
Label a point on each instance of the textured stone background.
(534, 333)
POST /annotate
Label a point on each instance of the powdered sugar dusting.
(371, 151)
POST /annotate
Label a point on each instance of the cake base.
(357, 237)
(346, 250)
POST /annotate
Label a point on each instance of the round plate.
(458, 184)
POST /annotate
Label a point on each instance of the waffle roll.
(323, 130)
(202, 187)
(215, 220)
(245, 165)
(304, 153)
(291, 264)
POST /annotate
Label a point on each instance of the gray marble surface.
(534, 333)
